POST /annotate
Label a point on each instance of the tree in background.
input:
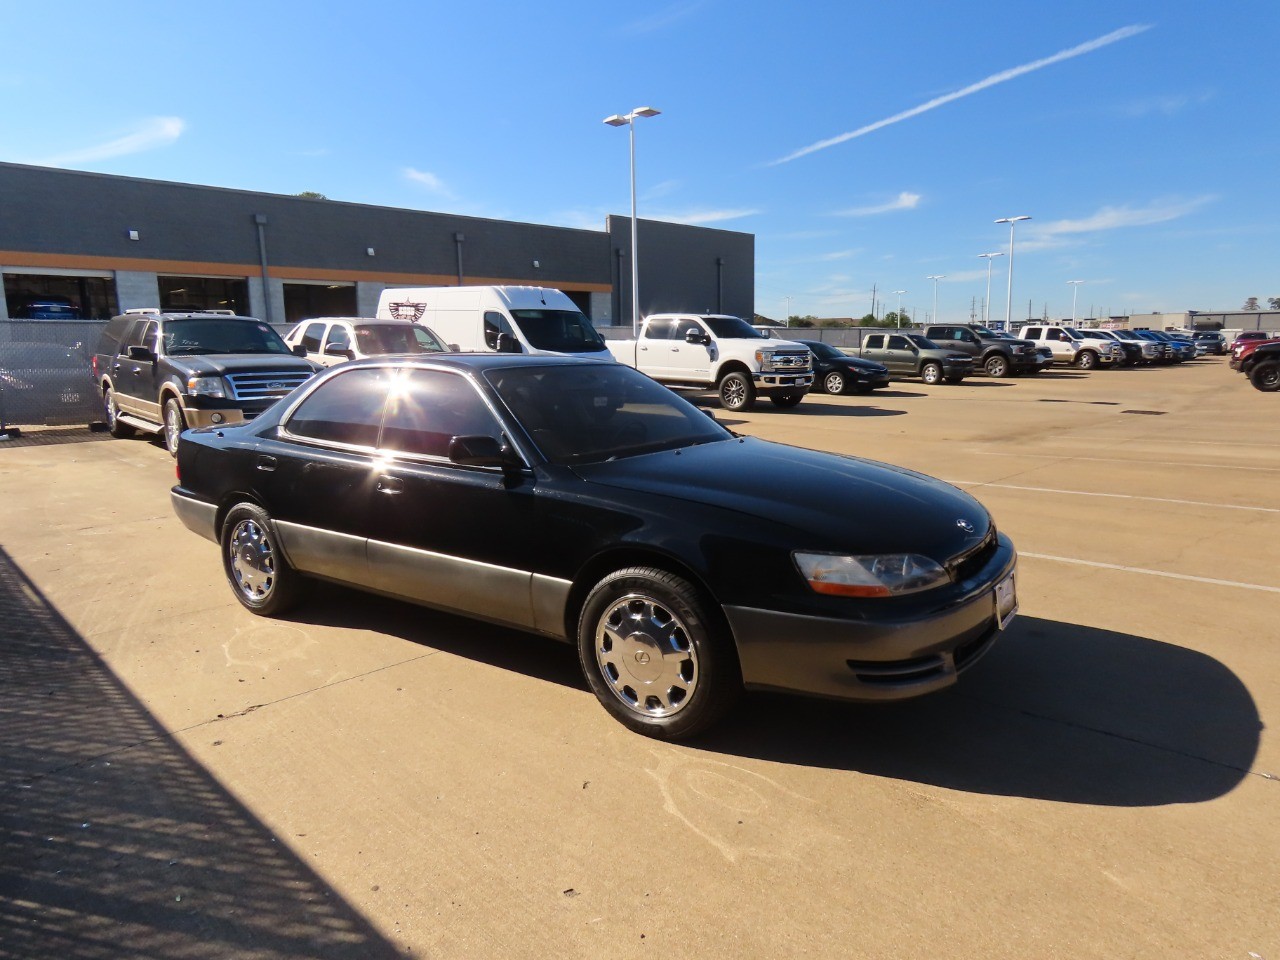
(1273, 303)
(1251, 304)
(311, 195)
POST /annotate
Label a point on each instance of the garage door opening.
(302, 301)
(33, 296)
(190, 294)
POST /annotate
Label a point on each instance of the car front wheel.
(654, 655)
(257, 571)
(737, 392)
(174, 424)
(1266, 376)
(931, 373)
(997, 366)
(833, 383)
(1087, 360)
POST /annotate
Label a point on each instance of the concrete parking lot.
(369, 778)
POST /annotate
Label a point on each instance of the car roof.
(478, 362)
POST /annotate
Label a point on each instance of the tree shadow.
(1055, 711)
(114, 842)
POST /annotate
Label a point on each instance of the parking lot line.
(1116, 496)
(1129, 460)
(1151, 573)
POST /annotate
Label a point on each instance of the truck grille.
(791, 361)
(265, 385)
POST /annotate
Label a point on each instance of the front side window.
(494, 324)
(345, 409)
(658, 329)
(339, 337)
(311, 337)
(428, 408)
(686, 327)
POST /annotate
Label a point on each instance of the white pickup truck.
(719, 352)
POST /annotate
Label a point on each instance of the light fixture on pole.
(629, 121)
(986, 307)
(1008, 304)
(1075, 289)
(899, 314)
(935, 278)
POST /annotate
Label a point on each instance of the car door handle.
(391, 485)
(265, 462)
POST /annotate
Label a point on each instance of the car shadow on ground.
(859, 409)
(974, 382)
(115, 842)
(1055, 711)
(53, 436)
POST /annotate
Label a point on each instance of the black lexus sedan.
(582, 500)
(837, 372)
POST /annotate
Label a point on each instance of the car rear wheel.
(1266, 376)
(834, 382)
(257, 571)
(737, 392)
(117, 429)
(997, 365)
(174, 424)
(931, 373)
(655, 655)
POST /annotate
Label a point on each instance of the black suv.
(997, 354)
(164, 372)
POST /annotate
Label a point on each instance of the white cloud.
(664, 18)
(428, 180)
(695, 217)
(840, 255)
(904, 201)
(1057, 233)
(996, 78)
(151, 133)
(965, 276)
(1167, 105)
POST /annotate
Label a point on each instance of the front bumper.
(871, 659)
(767, 383)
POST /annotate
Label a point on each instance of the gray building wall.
(137, 288)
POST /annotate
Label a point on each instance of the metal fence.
(45, 376)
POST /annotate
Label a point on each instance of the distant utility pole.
(973, 305)
(873, 300)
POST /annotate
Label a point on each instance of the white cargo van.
(498, 319)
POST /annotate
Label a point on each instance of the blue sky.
(1140, 137)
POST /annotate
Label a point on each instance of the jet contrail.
(1123, 33)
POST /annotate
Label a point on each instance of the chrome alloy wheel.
(646, 657)
(173, 426)
(253, 559)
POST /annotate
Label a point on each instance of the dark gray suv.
(164, 372)
(994, 353)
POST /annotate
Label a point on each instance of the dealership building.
(89, 246)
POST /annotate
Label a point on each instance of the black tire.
(835, 382)
(656, 654)
(174, 423)
(997, 365)
(256, 569)
(931, 372)
(1087, 359)
(1266, 376)
(737, 392)
(111, 411)
(786, 400)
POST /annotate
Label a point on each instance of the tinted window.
(564, 331)
(494, 324)
(338, 337)
(344, 409)
(428, 408)
(221, 336)
(733, 327)
(311, 336)
(378, 339)
(875, 341)
(924, 343)
(685, 327)
(658, 329)
(822, 350)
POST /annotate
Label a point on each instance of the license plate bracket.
(1006, 600)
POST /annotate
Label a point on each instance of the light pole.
(629, 120)
(1075, 289)
(1008, 304)
(935, 278)
(986, 307)
(787, 316)
(899, 313)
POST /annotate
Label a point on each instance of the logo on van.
(407, 311)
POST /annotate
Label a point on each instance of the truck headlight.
(206, 387)
(765, 359)
(869, 575)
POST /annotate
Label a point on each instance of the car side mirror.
(299, 350)
(482, 450)
(696, 336)
(337, 350)
(141, 353)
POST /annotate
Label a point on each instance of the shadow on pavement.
(114, 842)
(53, 436)
(1055, 712)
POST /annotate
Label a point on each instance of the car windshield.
(591, 413)
(822, 350)
(376, 339)
(564, 331)
(207, 335)
(924, 343)
(733, 328)
(985, 332)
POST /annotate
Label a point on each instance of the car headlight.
(870, 575)
(205, 387)
(765, 359)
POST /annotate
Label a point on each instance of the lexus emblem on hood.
(965, 525)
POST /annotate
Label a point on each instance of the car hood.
(869, 366)
(224, 363)
(829, 502)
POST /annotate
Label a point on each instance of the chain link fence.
(45, 375)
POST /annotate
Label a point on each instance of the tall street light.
(899, 293)
(629, 121)
(1008, 304)
(986, 307)
(1075, 289)
(935, 278)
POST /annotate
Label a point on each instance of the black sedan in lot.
(836, 372)
(583, 501)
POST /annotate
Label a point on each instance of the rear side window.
(345, 409)
(875, 341)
